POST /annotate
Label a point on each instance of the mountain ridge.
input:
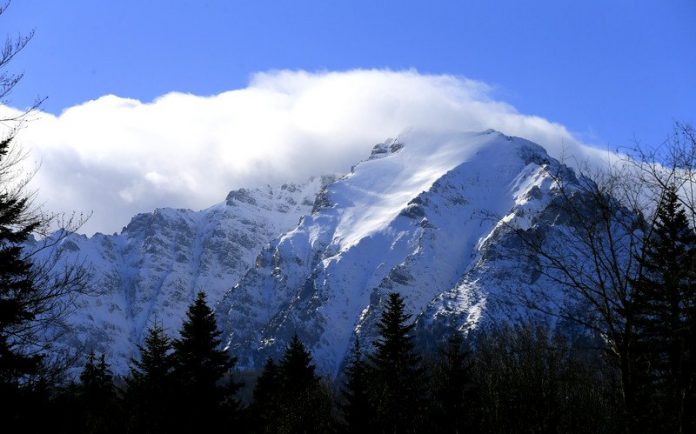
(422, 216)
(153, 268)
(323, 281)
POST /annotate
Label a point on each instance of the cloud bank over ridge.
(117, 156)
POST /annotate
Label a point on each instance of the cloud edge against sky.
(120, 156)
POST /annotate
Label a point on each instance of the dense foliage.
(527, 377)
(18, 293)
(524, 378)
(665, 322)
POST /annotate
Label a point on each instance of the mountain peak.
(409, 219)
(317, 259)
(385, 148)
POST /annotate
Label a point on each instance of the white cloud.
(119, 156)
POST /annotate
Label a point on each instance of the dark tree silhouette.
(305, 405)
(396, 375)
(358, 414)
(21, 299)
(34, 294)
(665, 310)
(296, 368)
(97, 397)
(203, 372)
(531, 379)
(150, 385)
(17, 289)
(454, 392)
(265, 403)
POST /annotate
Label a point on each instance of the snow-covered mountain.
(152, 270)
(424, 217)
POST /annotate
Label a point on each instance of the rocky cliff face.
(428, 218)
(153, 268)
(421, 218)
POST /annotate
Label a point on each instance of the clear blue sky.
(609, 70)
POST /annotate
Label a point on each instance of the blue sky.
(608, 71)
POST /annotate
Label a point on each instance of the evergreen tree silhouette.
(358, 413)
(296, 368)
(18, 296)
(665, 308)
(97, 397)
(305, 404)
(202, 373)
(268, 383)
(265, 405)
(397, 376)
(453, 389)
(150, 385)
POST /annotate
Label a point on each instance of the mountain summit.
(427, 217)
(418, 217)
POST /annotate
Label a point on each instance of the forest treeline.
(573, 377)
(622, 360)
(523, 378)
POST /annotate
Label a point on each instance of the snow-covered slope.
(153, 268)
(419, 217)
(425, 217)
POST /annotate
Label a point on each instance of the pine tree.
(296, 368)
(397, 375)
(97, 397)
(357, 410)
(265, 407)
(202, 372)
(17, 291)
(305, 404)
(150, 385)
(33, 294)
(454, 391)
(664, 306)
(268, 383)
